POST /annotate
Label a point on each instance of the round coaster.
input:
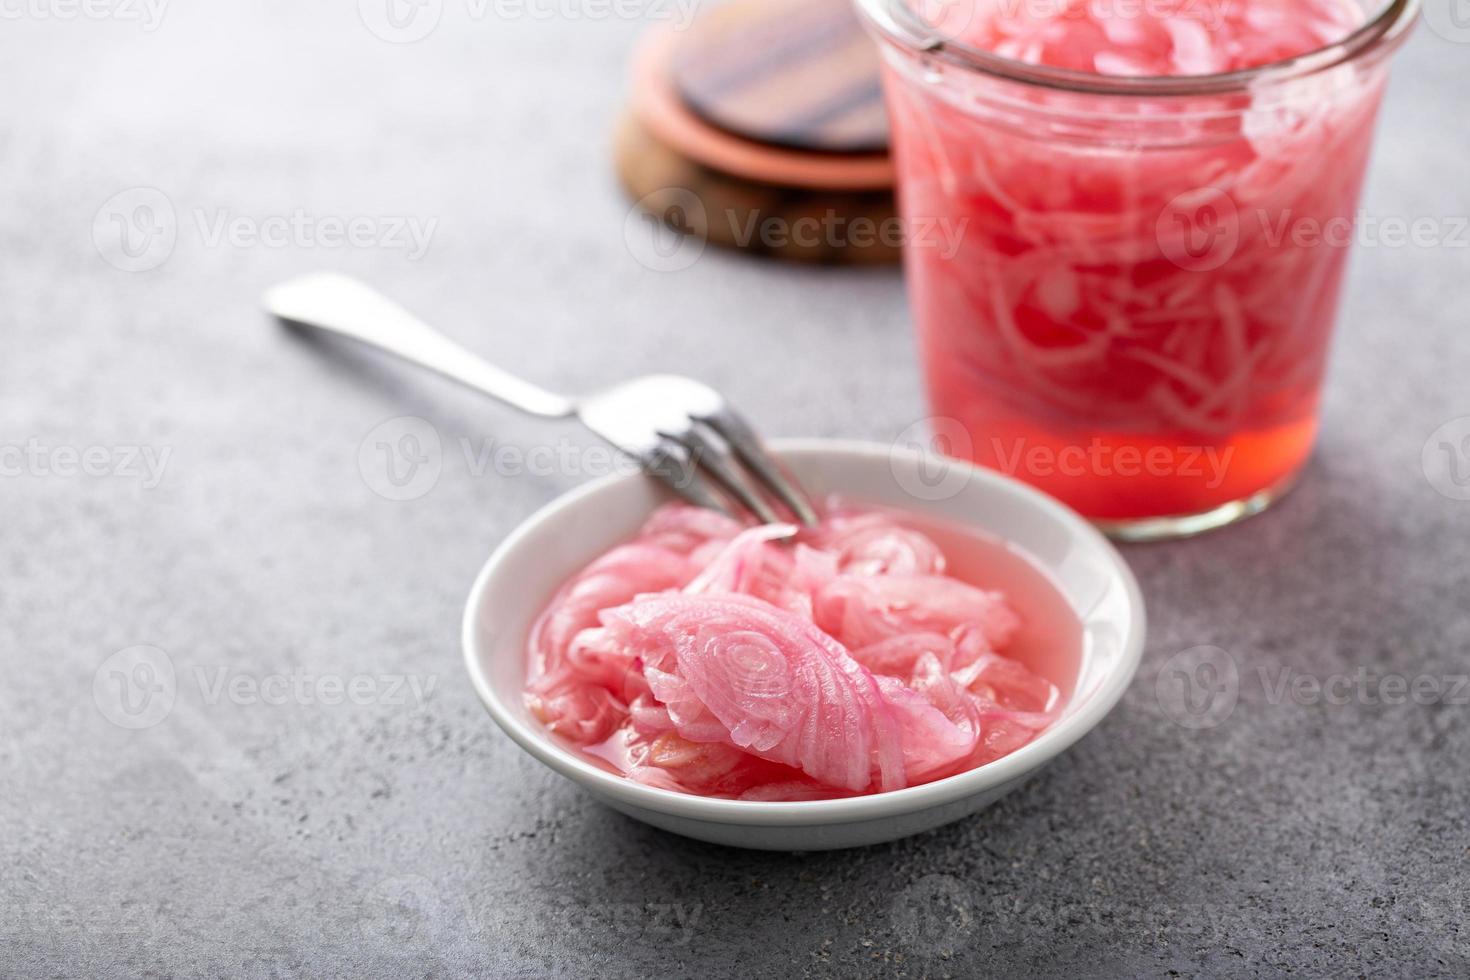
(728, 119)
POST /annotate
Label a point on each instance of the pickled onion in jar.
(1133, 303)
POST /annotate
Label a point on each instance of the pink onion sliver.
(783, 690)
(695, 659)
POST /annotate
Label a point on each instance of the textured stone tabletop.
(294, 776)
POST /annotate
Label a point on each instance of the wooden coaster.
(781, 221)
(777, 135)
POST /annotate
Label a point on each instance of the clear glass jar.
(1132, 305)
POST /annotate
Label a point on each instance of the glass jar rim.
(898, 22)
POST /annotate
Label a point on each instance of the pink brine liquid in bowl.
(872, 653)
(1148, 207)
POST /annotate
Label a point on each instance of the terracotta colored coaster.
(775, 136)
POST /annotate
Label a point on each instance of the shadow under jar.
(1124, 285)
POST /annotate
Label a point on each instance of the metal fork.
(679, 430)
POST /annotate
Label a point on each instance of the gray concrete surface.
(199, 808)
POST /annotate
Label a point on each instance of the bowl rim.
(1020, 763)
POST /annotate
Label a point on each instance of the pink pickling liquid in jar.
(1128, 226)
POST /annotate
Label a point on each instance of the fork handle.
(336, 303)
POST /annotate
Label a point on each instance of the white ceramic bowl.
(562, 537)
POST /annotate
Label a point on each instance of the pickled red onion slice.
(709, 658)
(870, 544)
(736, 669)
(863, 610)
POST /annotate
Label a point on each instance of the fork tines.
(719, 461)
